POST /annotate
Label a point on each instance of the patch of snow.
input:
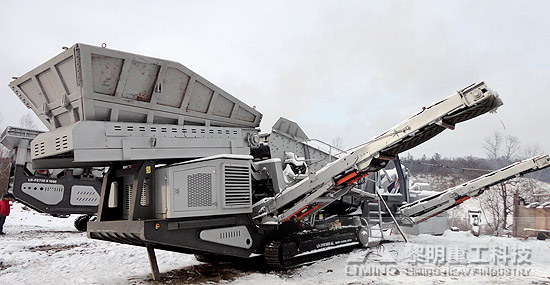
(39, 249)
(533, 205)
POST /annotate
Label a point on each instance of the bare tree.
(492, 146)
(500, 151)
(511, 148)
(497, 208)
(27, 121)
(532, 150)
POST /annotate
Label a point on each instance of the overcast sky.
(348, 69)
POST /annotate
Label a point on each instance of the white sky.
(348, 69)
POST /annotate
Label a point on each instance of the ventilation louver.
(237, 189)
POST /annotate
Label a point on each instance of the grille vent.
(237, 189)
(230, 234)
(39, 149)
(199, 186)
(144, 201)
(128, 189)
(61, 143)
(172, 131)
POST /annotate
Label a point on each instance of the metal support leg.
(392, 217)
(380, 222)
(153, 262)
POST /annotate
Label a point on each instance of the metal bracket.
(444, 124)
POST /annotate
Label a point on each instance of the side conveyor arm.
(428, 207)
(338, 177)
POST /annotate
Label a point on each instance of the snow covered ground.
(40, 249)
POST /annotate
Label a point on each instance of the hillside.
(462, 168)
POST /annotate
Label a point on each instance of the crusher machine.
(189, 170)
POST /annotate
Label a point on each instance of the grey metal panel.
(92, 83)
(287, 136)
(18, 141)
(194, 189)
(199, 188)
(12, 135)
(173, 82)
(92, 141)
(233, 236)
(84, 195)
(272, 168)
(49, 194)
(436, 225)
(290, 128)
(315, 158)
(58, 193)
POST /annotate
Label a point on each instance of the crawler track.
(310, 246)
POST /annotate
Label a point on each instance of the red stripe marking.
(351, 181)
(308, 211)
(294, 213)
(346, 177)
(460, 200)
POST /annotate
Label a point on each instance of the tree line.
(500, 151)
